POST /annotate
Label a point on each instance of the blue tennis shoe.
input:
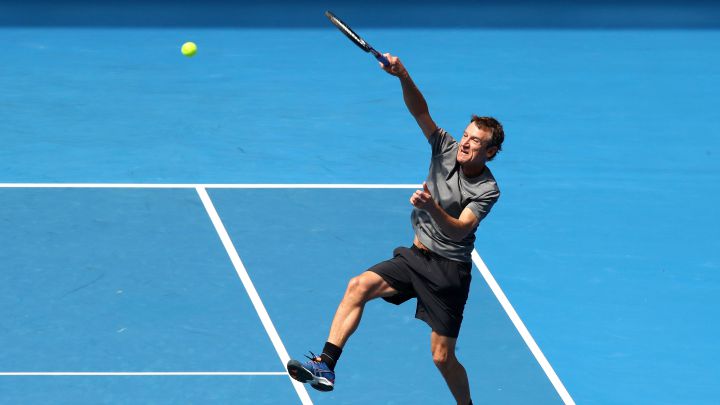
(314, 371)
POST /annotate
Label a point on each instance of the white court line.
(139, 373)
(520, 326)
(252, 292)
(205, 186)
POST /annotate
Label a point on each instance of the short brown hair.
(497, 135)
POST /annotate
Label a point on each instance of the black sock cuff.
(331, 354)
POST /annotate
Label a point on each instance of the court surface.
(173, 228)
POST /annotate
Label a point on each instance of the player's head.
(481, 141)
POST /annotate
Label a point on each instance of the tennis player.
(459, 192)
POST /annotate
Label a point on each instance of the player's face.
(473, 149)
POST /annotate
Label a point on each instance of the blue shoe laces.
(319, 368)
(315, 358)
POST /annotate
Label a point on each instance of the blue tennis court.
(174, 228)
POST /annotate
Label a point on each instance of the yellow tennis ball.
(189, 49)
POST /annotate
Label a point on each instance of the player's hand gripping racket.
(356, 38)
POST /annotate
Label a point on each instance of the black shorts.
(440, 285)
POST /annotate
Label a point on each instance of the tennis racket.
(356, 38)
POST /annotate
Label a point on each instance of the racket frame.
(355, 38)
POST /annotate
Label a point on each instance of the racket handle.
(382, 59)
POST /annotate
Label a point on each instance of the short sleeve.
(482, 205)
(441, 142)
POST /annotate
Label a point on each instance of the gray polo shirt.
(453, 191)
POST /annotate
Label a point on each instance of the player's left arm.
(455, 228)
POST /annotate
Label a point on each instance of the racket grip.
(382, 59)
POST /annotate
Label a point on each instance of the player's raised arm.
(414, 100)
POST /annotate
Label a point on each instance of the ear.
(490, 152)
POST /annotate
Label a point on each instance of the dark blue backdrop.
(390, 13)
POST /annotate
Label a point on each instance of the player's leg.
(443, 352)
(320, 370)
(360, 290)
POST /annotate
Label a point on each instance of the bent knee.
(359, 288)
(443, 359)
(440, 360)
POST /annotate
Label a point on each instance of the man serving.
(458, 193)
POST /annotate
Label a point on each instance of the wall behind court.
(587, 14)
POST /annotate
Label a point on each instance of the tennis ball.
(189, 49)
